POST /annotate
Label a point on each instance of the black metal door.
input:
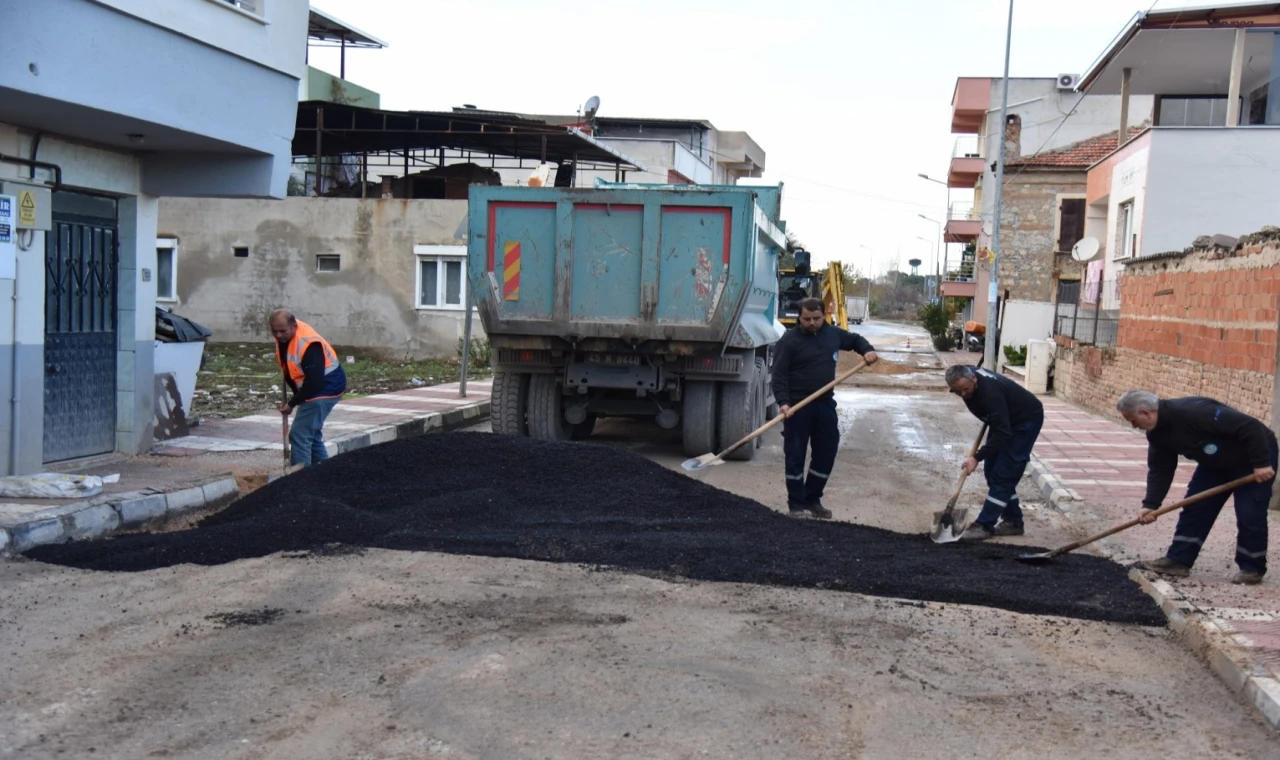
(81, 257)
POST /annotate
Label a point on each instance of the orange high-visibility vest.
(302, 338)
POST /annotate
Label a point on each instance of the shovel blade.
(1036, 559)
(698, 463)
(947, 528)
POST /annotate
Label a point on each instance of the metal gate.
(81, 257)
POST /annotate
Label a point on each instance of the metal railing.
(958, 270)
(964, 211)
(966, 147)
(1089, 312)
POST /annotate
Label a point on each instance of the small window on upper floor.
(326, 262)
(240, 251)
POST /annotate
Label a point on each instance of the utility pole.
(993, 317)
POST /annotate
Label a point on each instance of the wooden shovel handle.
(799, 405)
(964, 475)
(1247, 479)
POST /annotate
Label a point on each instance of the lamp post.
(942, 246)
(871, 263)
(938, 249)
(993, 318)
(924, 287)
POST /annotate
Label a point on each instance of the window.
(328, 262)
(1126, 240)
(1071, 215)
(1192, 111)
(240, 251)
(440, 276)
(166, 269)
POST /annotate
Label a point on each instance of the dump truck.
(856, 308)
(800, 282)
(629, 300)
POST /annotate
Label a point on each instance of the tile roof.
(1079, 155)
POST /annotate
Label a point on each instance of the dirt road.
(386, 654)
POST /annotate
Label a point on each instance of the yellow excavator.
(801, 282)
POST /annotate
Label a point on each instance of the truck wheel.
(546, 410)
(737, 417)
(699, 417)
(507, 402)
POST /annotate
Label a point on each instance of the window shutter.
(1070, 224)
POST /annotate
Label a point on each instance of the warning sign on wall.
(26, 208)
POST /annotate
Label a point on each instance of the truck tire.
(507, 402)
(738, 412)
(698, 417)
(546, 410)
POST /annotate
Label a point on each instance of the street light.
(937, 251)
(942, 246)
(993, 316)
(871, 264)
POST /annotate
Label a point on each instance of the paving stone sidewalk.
(1093, 470)
(354, 422)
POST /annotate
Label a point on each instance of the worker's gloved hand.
(785, 411)
(1146, 516)
(969, 466)
(285, 409)
(1263, 474)
(870, 358)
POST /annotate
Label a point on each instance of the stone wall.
(1028, 224)
(1200, 323)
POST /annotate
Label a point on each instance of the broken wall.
(370, 302)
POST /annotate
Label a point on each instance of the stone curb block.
(35, 533)
(1203, 636)
(187, 498)
(92, 522)
(432, 423)
(1051, 487)
(219, 490)
(136, 512)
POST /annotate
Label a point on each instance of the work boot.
(818, 510)
(976, 532)
(1165, 566)
(797, 510)
(1246, 578)
(1010, 529)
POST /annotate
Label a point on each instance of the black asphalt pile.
(490, 495)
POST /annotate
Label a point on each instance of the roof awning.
(329, 129)
(322, 27)
(1185, 51)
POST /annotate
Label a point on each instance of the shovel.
(1043, 557)
(945, 522)
(710, 460)
(284, 428)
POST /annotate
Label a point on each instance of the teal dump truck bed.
(630, 263)
(627, 300)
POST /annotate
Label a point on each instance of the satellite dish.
(1086, 249)
(593, 105)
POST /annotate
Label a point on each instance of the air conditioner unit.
(1068, 82)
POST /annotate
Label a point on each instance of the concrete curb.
(1228, 654)
(1208, 636)
(104, 515)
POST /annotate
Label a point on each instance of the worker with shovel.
(805, 362)
(1227, 444)
(1014, 417)
(311, 369)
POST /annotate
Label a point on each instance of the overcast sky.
(849, 99)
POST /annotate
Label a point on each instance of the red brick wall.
(1204, 324)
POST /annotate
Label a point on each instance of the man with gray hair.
(1226, 444)
(1014, 417)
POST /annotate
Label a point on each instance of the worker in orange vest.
(311, 369)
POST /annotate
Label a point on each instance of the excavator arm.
(833, 295)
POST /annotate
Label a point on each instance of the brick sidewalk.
(1102, 464)
(354, 422)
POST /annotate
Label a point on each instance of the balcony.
(960, 274)
(966, 164)
(969, 105)
(964, 223)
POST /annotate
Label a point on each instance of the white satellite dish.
(593, 105)
(1086, 249)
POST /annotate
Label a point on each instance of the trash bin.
(179, 351)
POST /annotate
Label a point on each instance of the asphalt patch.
(243, 618)
(500, 496)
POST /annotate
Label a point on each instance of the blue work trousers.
(306, 437)
(1003, 470)
(815, 425)
(1195, 521)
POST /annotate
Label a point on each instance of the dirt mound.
(883, 367)
(491, 495)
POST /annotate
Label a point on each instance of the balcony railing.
(1088, 312)
(964, 211)
(966, 147)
